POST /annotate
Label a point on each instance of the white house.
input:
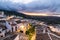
(55, 29)
(2, 16)
(23, 26)
(2, 31)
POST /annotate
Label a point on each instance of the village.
(13, 26)
(19, 28)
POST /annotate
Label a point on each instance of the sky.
(41, 6)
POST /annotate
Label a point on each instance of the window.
(16, 28)
(0, 31)
(12, 29)
(1, 36)
(21, 31)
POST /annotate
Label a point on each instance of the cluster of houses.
(55, 28)
(12, 24)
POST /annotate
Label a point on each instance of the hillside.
(47, 19)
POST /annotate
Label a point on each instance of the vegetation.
(30, 32)
(47, 19)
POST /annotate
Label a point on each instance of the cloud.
(32, 6)
(44, 6)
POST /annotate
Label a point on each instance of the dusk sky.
(49, 6)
